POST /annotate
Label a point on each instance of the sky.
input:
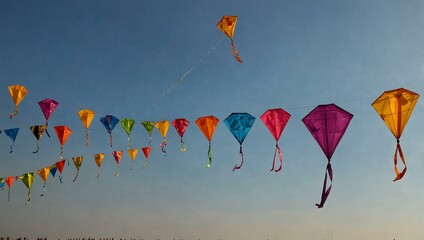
(127, 58)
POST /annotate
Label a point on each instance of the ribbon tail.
(38, 148)
(117, 172)
(29, 197)
(240, 160)
(86, 137)
(11, 147)
(280, 157)
(76, 176)
(273, 161)
(150, 140)
(163, 146)
(183, 146)
(44, 189)
(326, 191)
(235, 52)
(14, 112)
(210, 156)
(110, 139)
(47, 132)
(400, 175)
(129, 143)
(98, 173)
(60, 178)
(8, 195)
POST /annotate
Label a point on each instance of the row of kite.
(326, 123)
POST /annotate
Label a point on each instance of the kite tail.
(38, 147)
(239, 160)
(210, 156)
(129, 143)
(235, 52)
(326, 191)
(98, 173)
(14, 112)
(145, 165)
(29, 197)
(8, 195)
(117, 172)
(47, 132)
(86, 137)
(399, 176)
(11, 147)
(132, 165)
(110, 139)
(150, 140)
(163, 146)
(277, 148)
(183, 146)
(44, 189)
(76, 176)
(60, 178)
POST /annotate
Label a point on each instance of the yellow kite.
(17, 92)
(44, 174)
(227, 25)
(133, 154)
(395, 107)
(163, 127)
(86, 116)
(98, 158)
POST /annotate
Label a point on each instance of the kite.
(239, 125)
(63, 133)
(12, 133)
(98, 158)
(28, 179)
(86, 116)
(395, 107)
(9, 182)
(17, 92)
(146, 151)
(133, 154)
(78, 163)
(38, 133)
(44, 174)
(163, 127)
(149, 125)
(327, 124)
(117, 155)
(58, 166)
(2, 183)
(275, 120)
(207, 125)
(227, 25)
(109, 122)
(127, 124)
(181, 125)
(47, 107)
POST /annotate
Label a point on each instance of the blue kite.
(12, 133)
(239, 125)
(109, 122)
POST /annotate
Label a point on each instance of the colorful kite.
(2, 183)
(12, 133)
(109, 122)
(28, 179)
(86, 116)
(117, 155)
(227, 25)
(181, 125)
(63, 133)
(149, 125)
(44, 174)
(327, 124)
(239, 125)
(132, 153)
(163, 127)
(78, 163)
(9, 182)
(17, 92)
(38, 133)
(98, 158)
(146, 151)
(275, 120)
(47, 107)
(207, 125)
(127, 124)
(58, 166)
(395, 107)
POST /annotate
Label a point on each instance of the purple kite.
(47, 107)
(327, 124)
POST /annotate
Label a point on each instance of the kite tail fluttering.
(326, 191)
(183, 146)
(239, 160)
(277, 149)
(76, 176)
(209, 155)
(44, 189)
(399, 176)
(163, 146)
(235, 52)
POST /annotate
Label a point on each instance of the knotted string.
(76, 176)
(14, 112)
(183, 146)
(163, 146)
(44, 189)
(11, 147)
(210, 156)
(86, 137)
(38, 147)
(29, 197)
(326, 191)
(235, 52)
(129, 143)
(239, 159)
(117, 171)
(399, 176)
(277, 149)
(98, 172)
(110, 138)
(47, 132)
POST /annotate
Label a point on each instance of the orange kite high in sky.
(227, 25)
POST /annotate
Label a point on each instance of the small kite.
(78, 162)
(163, 127)
(227, 25)
(9, 182)
(98, 158)
(275, 120)
(207, 125)
(17, 92)
(181, 125)
(59, 167)
(128, 124)
(44, 174)
(149, 125)
(63, 133)
(2, 183)
(133, 154)
(327, 124)
(146, 151)
(38, 133)
(28, 179)
(395, 107)
(109, 122)
(239, 125)
(117, 155)
(12, 133)
(86, 116)
(47, 107)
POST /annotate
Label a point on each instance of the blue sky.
(119, 58)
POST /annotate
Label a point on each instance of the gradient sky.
(119, 57)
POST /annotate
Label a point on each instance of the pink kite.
(181, 125)
(47, 107)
